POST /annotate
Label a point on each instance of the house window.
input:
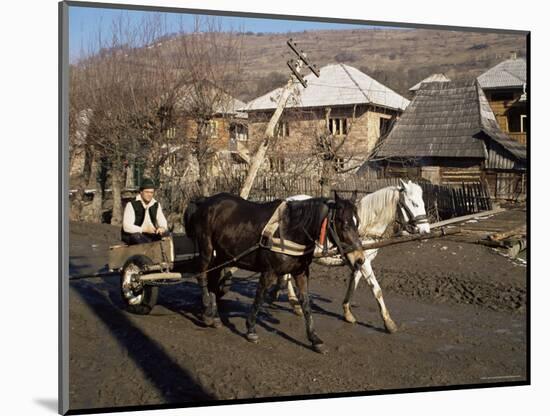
(502, 96)
(338, 126)
(339, 163)
(282, 130)
(172, 159)
(239, 132)
(523, 123)
(171, 133)
(385, 125)
(517, 123)
(212, 129)
(277, 164)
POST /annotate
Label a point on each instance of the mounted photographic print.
(266, 207)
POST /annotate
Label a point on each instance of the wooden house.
(505, 88)
(343, 101)
(449, 134)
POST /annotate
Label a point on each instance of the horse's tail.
(189, 218)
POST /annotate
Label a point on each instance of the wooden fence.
(442, 201)
(268, 188)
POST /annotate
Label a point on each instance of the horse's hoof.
(216, 323)
(350, 318)
(298, 310)
(207, 320)
(391, 327)
(320, 348)
(252, 337)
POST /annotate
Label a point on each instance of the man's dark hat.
(147, 183)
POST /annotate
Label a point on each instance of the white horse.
(376, 212)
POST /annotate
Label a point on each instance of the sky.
(84, 23)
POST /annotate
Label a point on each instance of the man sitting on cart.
(143, 220)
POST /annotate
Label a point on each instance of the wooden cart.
(143, 268)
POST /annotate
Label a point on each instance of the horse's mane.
(377, 210)
(306, 214)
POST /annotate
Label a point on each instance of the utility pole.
(259, 156)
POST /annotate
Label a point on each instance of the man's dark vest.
(139, 211)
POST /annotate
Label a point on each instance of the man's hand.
(149, 229)
(160, 230)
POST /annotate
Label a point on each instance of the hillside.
(397, 58)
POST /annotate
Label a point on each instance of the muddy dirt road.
(460, 309)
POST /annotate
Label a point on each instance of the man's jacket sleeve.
(161, 219)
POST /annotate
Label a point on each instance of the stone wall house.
(343, 100)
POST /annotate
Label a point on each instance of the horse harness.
(280, 244)
(291, 248)
(414, 220)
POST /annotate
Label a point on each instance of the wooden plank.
(485, 196)
(369, 245)
(471, 195)
(473, 198)
(150, 277)
(508, 233)
(466, 217)
(477, 197)
(467, 204)
(461, 203)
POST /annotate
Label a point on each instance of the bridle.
(329, 227)
(414, 220)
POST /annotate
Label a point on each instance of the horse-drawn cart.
(145, 267)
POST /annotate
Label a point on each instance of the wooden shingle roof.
(447, 119)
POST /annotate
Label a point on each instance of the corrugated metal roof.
(511, 73)
(431, 78)
(338, 84)
(445, 119)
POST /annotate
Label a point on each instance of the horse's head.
(412, 208)
(344, 221)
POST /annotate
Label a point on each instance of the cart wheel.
(138, 298)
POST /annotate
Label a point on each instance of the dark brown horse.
(224, 226)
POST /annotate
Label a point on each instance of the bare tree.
(129, 87)
(140, 96)
(211, 58)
